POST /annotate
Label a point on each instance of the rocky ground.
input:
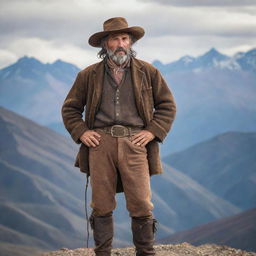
(183, 249)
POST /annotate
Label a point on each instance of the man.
(129, 109)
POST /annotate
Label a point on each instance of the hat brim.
(95, 39)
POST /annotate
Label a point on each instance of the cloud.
(214, 21)
(56, 29)
(47, 51)
(7, 58)
(60, 20)
(196, 3)
(62, 23)
(165, 48)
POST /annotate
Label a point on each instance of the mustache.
(120, 49)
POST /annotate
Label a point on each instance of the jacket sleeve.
(164, 108)
(73, 108)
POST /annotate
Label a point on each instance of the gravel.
(183, 249)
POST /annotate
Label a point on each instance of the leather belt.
(120, 130)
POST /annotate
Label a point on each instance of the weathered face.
(117, 42)
(118, 47)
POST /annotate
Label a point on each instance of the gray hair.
(103, 52)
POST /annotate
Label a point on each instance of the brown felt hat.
(115, 25)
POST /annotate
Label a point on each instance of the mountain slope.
(10, 249)
(224, 164)
(181, 202)
(8, 235)
(43, 194)
(40, 195)
(237, 231)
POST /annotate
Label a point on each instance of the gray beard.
(119, 59)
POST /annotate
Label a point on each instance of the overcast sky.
(59, 29)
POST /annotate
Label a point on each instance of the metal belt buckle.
(118, 131)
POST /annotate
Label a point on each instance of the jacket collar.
(98, 76)
(134, 62)
(137, 77)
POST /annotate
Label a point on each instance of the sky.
(59, 29)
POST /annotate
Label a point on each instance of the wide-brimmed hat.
(115, 25)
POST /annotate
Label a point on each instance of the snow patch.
(229, 64)
(187, 59)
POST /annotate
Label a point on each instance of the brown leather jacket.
(154, 102)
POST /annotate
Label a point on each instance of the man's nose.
(120, 43)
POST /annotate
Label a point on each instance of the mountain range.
(36, 90)
(42, 194)
(214, 93)
(211, 97)
(212, 59)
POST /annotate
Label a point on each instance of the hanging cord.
(86, 212)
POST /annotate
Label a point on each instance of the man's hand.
(90, 138)
(142, 138)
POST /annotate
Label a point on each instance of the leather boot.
(143, 229)
(103, 232)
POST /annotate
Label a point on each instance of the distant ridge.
(224, 164)
(212, 59)
(237, 231)
(37, 90)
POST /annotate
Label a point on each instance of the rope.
(86, 212)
